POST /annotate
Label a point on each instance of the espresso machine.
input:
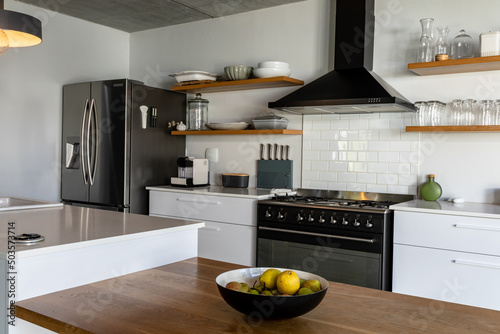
(191, 172)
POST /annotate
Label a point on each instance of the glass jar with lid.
(197, 113)
(462, 46)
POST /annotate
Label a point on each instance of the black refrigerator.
(116, 141)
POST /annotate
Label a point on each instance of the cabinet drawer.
(228, 242)
(467, 234)
(463, 278)
(204, 207)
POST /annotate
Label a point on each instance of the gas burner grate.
(28, 238)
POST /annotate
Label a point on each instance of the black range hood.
(351, 88)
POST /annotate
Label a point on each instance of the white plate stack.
(267, 69)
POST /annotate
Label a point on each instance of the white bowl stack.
(267, 69)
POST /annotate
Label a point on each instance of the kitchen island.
(183, 298)
(84, 245)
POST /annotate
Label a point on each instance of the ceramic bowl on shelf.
(268, 72)
(264, 306)
(238, 72)
(273, 64)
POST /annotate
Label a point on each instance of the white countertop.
(70, 227)
(218, 191)
(482, 210)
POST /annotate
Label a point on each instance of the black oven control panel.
(303, 217)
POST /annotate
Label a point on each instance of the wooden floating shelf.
(454, 128)
(451, 66)
(227, 86)
(238, 132)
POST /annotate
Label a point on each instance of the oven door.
(341, 257)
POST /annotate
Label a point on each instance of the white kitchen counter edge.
(103, 241)
(480, 210)
(252, 193)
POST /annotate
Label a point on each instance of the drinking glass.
(487, 112)
(423, 118)
(456, 112)
(469, 112)
(497, 112)
(436, 110)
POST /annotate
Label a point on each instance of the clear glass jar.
(426, 45)
(462, 46)
(197, 113)
(487, 112)
(442, 45)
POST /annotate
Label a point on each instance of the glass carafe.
(442, 50)
(426, 45)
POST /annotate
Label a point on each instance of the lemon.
(268, 278)
(288, 282)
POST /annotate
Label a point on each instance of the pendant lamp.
(18, 30)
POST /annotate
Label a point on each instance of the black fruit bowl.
(268, 307)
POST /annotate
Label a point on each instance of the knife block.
(275, 174)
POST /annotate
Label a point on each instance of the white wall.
(466, 164)
(293, 33)
(31, 96)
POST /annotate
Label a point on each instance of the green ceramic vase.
(431, 191)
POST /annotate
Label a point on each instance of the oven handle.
(370, 241)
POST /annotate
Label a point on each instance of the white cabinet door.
(459, 277)
(228, 242)
(467, 234)
(232, 210)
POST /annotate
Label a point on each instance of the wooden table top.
(183, 298)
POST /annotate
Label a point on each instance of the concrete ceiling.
(138, 15)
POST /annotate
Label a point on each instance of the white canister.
(490, 43)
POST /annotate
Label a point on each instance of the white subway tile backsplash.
(356, 187)
(402, 145)
(358, 167)
(378, 167)
(365, 152)
(379, 123)
(337, 186)
(368, 156)
(338, 166)
(330, 135)
(328, 176)
(358, 124)
(368, 134)
(376, 188)
(339, 124)
(358, 145)
(378, 145)
(366, 178)
(388, 156)
(346, 177)
(389, 179)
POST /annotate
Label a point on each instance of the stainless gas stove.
(340, 235)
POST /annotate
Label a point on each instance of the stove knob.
(268, 214)
(345, 221)
(321, 219)
(369, 223)
(333, 220)
(281, 217)
(356, 222)
(299, 218)
(310, 218)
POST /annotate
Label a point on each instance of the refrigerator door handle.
(94, 132)
(84, 148)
